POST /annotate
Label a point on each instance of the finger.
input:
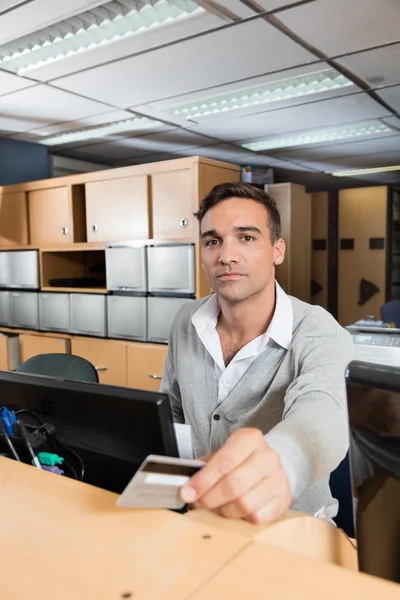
(238, 447)
(256, 498)
(271, 511)
(206, 457)
(237, 483)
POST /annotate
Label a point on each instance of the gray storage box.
(126, 268)
(160, 314)
(23, 269)
(54, 312)
(171, 269)
(5, 308)
(88, 314)
(4, 279)
(24, 310)
(127, 317)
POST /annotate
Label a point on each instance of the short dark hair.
(225, 191)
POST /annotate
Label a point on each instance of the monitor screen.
(373, 393)
(112, 429)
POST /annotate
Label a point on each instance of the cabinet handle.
(101, 368)
(95, 228)
(65, 230)
(155, 376)
(183, 222)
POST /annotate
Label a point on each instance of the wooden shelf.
(77, 247)
(75, 290)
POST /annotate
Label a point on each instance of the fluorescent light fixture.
(129, 125)
(356, 172)
(107, 23)
(278, 91)
(318, 137)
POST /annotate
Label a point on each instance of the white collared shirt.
(280, 331)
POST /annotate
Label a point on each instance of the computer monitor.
(111, 428)
(373, 392)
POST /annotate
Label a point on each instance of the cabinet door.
(117, 209)
(172, 197)
(31, 345)
(9, 352)
(50, 216)
(14, 219)
(107, 356)
(362, 220)
(146, 365)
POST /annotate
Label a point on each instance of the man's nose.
(228, 253)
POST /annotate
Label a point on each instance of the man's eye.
(212, 243)
(247, 238)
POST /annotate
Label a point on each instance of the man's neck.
(250, 318)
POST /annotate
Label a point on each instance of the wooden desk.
(61, 539)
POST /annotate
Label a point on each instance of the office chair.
(340, 484)
(390, 312)
(66, 366)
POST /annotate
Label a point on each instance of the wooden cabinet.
(109, 358)
(173, 205)
(146, 365)
(57, 215)
(117, 209)
(294, 205)
(319, 255)
(362, 253)
(9, 352)
(14, 219)
(31, 345)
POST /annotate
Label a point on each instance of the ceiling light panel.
(354, 172)
(129, 125)
(104, 24)
(271, 93)
(318, 137)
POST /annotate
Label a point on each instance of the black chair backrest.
(65, 366)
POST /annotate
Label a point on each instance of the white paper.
(184, 439)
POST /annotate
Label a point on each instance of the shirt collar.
(280, 329)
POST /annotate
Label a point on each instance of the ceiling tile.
(327, 113)
(378, 67)
(391, 96)
(340, 26)
(57, 128)
(213, 59)
(12, 83)
(274, 4)
(174, 141)
(42, 105)
(126, 47)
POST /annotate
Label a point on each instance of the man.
(257, 374)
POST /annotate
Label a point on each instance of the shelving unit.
(71, 220)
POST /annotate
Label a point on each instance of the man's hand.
(244, 479)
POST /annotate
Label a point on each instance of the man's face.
(237, 254)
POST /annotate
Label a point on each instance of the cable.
(8, 441)
(75, 454)
(24, 434)
(30, 412)
(65, 446)
(71, 468)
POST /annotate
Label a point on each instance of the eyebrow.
(241, 229)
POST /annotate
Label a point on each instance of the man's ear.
(279, 252)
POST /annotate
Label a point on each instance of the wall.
(22, 161)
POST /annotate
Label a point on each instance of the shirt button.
(216, 417)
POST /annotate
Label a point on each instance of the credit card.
(157, 482)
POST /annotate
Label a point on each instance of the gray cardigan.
(297, 397)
